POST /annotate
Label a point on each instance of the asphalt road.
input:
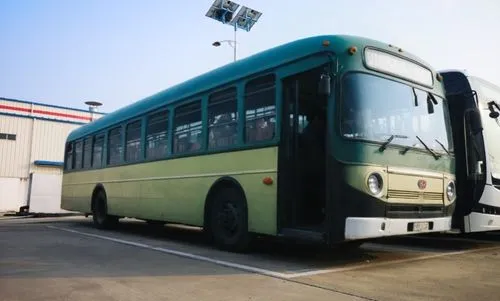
(67, 259)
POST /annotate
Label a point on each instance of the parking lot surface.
(67, 259)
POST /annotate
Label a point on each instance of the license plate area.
(420, 226)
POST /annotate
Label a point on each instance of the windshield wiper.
(432, 98)
(389, 140)
(436, 156)
(442, 145)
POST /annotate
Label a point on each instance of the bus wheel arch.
(100, 216)
(226, 194)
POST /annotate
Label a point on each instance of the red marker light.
(267, 180)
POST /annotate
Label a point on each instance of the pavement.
(65, 258)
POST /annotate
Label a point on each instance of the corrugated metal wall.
(41, 132)
(48, 142)
(14, 154)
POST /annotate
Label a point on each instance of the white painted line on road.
(459, 239)
(265, 272)
(181, 254)
(390, 262)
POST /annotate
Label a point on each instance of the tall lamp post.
(224, 11)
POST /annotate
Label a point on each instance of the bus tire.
(100, 216)
(229, 220)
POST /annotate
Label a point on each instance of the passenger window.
(133, 142)
(69, 156)
(260, 109)
(115, 145)
(157, 135)
(78, 154)
(188, 128)
(222, 119)
(97, 152)
(87, 152)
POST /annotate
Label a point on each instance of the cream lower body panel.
(372, 227)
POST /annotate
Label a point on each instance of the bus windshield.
(378, 109)
(491, 126)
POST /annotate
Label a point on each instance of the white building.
(32, 141)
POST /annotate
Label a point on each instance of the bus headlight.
(375, 183)
(451, 191)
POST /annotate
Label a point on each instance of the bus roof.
(256, 63)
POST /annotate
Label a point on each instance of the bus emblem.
(422, 184)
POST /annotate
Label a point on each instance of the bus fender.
(220, 183)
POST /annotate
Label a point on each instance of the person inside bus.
(264, 129)
(313, 164)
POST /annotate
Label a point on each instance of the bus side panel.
(175, 190)
(76, 196)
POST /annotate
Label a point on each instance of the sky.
(119, 51)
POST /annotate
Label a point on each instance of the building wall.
(41, 132)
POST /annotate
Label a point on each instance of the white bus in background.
(474, 110)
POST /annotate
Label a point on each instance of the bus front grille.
(393, 194)
(412, 211)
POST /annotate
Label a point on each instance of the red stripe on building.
(44, 112)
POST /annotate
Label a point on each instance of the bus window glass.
(157, 135)
(69, 156)
(87, 152)
(260, 109)
(97, 152)
(78, 154)
(222, 119)
(188, 128)
(491, 126)
(133, 143)
(374, 108)
(115, 146)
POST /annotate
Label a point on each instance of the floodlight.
(93, 103)
(222, 10)
(246, 18)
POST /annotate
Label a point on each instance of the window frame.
(222, 93)
(278, 102)
(202, 111)
(121, 145)
(85, 139)
(125, 138)
(75, 165)
(168, 131)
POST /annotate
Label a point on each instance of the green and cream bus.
(330, 138)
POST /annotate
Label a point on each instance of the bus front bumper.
(372, 227)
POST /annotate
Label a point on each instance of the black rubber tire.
(100, 215)
(229, 210)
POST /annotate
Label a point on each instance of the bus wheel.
(229, 220)
(100, 215)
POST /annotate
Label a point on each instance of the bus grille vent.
(414, 195)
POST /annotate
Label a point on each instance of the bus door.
(302, 154)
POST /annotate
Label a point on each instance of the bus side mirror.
(493, 113)
(324, 87)
(474, 117)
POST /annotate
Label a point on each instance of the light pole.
(231, 43)
(93, 105)
(224, 10)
